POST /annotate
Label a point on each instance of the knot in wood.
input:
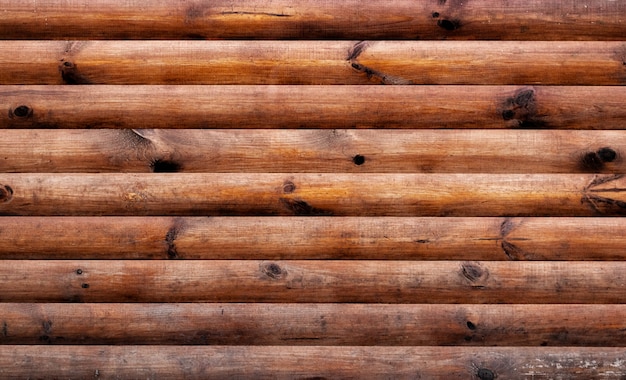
(474, 273)
(6, 193)
(273, 271)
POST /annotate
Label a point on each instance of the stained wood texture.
(272, 362)
(329, 151)
(187, 194)
(308, 19)
(175, 106)
(313, 62)
(274, 238)
(319, 324)
(323, 281)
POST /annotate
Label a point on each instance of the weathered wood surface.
(302, 151)
(201, 194)
(319, 324)
(318, 281)
(275, 238)
(313, 62)
(310, 19)
(250, 106)
(272, 362)
(330, 250)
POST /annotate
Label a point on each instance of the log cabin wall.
(222, 189)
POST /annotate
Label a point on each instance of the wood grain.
(323, 281)
(320, 324)
(276, 238)
(302, 151)
(252, 194)
(314, 62)
(309, 19)
(349, 106)
(271, 362)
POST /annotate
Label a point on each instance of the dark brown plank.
(319, 324)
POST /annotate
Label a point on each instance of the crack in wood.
(512, 251)
(591, 197)
(353, 55)
(270, 14)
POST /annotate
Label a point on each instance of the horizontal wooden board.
(309, 19)
(319, 324)
(275, 238)
(195, 194)
(285, 106)
(322, 281)
(271, 362)
(301, 151)
(314, 62)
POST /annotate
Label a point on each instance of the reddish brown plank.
(275, 238)
(176, 106)
(313, 281)
(309, 19)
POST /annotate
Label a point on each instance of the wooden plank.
(270, 362)
(318, 194)
(176, 106)
(302, 151)
(313, 62)
(314, 281)
(320, 324)
(275, 238)
(308, 19)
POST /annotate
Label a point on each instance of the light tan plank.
(271, 362)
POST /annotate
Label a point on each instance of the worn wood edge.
(261, 19)
(303, 106)
(296, 237)
(319, 324)
(323, 281)
(314, 62)
(346, 151)
(311, 194)
(316, 361)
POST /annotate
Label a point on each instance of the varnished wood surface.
(349, 106)
(320, 324)
(301, 151)
(275, 238)
(271, 362)
(318, 281)
(336, 194)
(313, 62)
(310, 19)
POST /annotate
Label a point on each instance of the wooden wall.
(222, 189)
